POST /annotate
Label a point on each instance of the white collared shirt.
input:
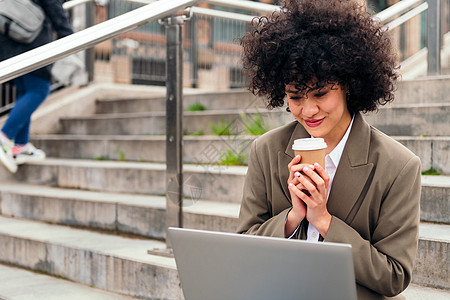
(331, 163)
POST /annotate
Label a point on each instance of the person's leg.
(8, 127)
(32, 91)
(7, 134)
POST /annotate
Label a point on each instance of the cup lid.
(307, 144)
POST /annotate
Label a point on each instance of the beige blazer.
(374, 202)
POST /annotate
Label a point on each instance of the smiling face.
(322, 112)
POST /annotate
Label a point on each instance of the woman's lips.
(314, 122)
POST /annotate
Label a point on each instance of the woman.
(332, 61)
(32, 88)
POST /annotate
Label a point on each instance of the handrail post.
(434, 37)
(194, 52)
(89, 54)
(174, 122)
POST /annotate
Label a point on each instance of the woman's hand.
(298, 211)
(315, 181)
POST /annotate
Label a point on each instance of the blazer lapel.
(284, 158)
(352, 173)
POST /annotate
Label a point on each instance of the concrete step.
(432, 89)
(412, 119)
(21, 284)
(230, 99)
(408, 120)
(432, 267)
(433, 151)
(197, 149)
(417, 292)
(435, 199)
(123, 213)
(112, 263)
(122, 265)
(154, 123)
(202, 181)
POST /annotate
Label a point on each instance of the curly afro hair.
(312, 43)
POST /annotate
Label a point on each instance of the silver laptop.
(227, 266)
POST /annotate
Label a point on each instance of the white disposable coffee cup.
(312, 150)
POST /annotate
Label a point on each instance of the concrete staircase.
(90, 212)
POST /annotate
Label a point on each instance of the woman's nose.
(310, 108)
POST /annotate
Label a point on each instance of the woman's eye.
(318, 95)
(295, 98)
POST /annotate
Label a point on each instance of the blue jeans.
(31, 92)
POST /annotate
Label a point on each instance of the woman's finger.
(321, 171)
(294, 181)
(294, 161)
(298, 174)
(299, 167)
(317, 180)
(307, 182)
(297, 192)
(301, 194)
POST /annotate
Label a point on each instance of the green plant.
(197, 133)
(196, 107)
(254, 125)
(101, 157)
(221, 128)
(229, 158)
(121, 155)
(431, 171)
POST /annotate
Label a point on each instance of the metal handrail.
(72, 3)
(221, 14)
(407, 16)
(396, 9)
(238, 4)
(406, 9)
(51, 52)
(391, 18)
(245, 4)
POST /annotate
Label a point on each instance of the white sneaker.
(6, 154)
(28, 153)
